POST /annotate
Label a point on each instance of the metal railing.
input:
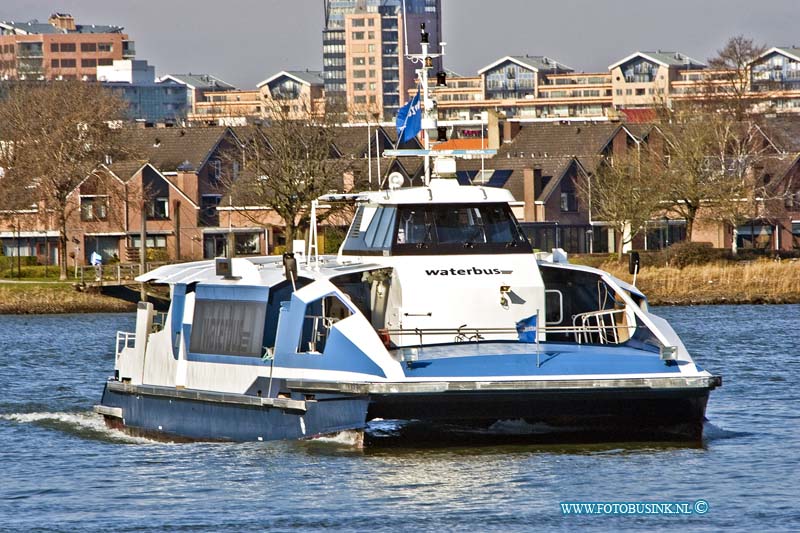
(600, 327)
(125, 339)
(593, 327)
(119, 273)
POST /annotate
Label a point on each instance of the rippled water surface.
(62, 470)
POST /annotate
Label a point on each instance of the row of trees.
(709, 153)
(53, 136)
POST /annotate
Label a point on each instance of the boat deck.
(511, 359)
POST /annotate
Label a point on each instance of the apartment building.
(293, 94)
(198, 86)
(363, 52)
(289, 94)
(59, 48)
(149, 101)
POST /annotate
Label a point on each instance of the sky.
(246, 41)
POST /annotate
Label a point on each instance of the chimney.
(529, 195)
(493, 130)
(63, 21)
(510, 130)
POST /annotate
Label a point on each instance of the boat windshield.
(457, 229)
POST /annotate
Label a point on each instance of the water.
(60, 469)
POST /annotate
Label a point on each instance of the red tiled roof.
(639, 116)
(462, 144)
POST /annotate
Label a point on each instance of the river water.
(60, 469)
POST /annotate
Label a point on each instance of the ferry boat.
(435, 309)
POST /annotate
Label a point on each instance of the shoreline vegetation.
(32, 298)
(759, 281)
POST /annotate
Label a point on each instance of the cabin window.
(228, 327)
(554, 307)
(320, 316)
(465, 229)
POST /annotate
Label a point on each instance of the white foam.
(351, 438)
(80, 423)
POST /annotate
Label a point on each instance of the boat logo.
(466, 272)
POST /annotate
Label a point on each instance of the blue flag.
(526, 329)
(409, 120)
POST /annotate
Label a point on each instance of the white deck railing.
(598, 327)
(125, 339)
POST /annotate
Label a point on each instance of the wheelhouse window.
(458, 229)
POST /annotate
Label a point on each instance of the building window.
(67, 63)
(105, 62)
(628, 92)
(88, 63)
(105, 47)
(371, 48)
(158, 209)
(358, 23)
(357, 61)
(54, 47)
(54, 63)
(359, 86)
(371, 22)
(88, 47)
(370, 35)
(357, 35)
(639, 92)
(151, 241)
(209, 216)
(94, 208)
(569, 202)
(359, 74)
(68, 47)
(360, 99)
(619, 92)
(248, 243)
(215, 170)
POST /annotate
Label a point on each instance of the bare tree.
(59, 134)
(712, 161)
(287, 164)
(625, 191)
(728, 84)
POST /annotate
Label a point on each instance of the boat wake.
(712, 433)
(86, 425)
(349, 438)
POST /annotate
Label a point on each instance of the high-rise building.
(59, 49)
(363, 52)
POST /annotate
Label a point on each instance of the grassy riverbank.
(761, 281)
(48, 297)
(758, 281)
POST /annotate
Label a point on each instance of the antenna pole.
(427, 105)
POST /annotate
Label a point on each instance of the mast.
(429, 114)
